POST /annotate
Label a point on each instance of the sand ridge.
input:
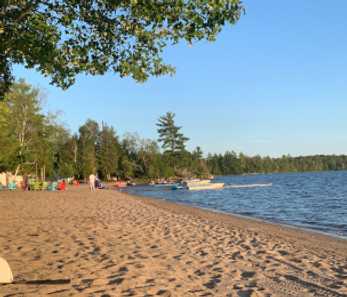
(77, 243)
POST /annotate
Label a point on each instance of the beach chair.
(52, 186)
(61, 186)
(36, 186)
(12, 186)
(44, 186)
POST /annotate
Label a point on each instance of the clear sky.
(275, 83)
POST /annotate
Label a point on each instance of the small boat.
(193, 182)
(178, 187)
(206, 186)
(197, 184)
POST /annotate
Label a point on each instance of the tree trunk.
(17, 170)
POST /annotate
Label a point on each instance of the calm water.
(312, 200)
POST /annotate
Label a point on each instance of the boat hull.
(209, 186)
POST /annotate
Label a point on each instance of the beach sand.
(77, 243)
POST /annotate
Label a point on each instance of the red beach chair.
(61, 186)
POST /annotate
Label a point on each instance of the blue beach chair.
(52, 186)
(12, 186)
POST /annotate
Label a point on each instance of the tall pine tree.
(172, 140)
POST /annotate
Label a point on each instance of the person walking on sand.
(92, 182)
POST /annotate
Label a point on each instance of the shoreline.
(256, 219)
(251, 222)
(111, 243)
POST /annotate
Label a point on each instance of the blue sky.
(273, 84)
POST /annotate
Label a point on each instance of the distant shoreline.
(279, 172)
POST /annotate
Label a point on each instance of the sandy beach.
(77, 243)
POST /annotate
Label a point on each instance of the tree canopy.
(28, 138)
(32, 142)
(61, 38)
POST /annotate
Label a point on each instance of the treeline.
(34, 143)
(233, 163)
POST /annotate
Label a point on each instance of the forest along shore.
(77, 243)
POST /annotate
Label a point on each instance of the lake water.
(315, 200)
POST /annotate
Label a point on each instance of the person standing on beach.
(25, 182)
(92, 182)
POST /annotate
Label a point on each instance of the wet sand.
(77, 243)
